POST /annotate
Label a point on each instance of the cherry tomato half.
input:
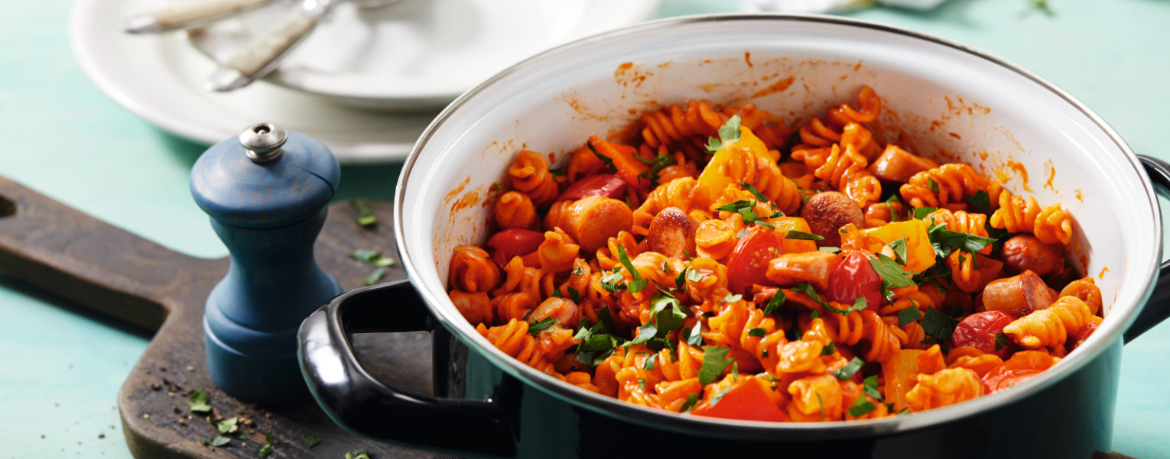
(514, 242)
(854, 278)
(978, 330)
(747, 400)
(749, 260)
(608, 185)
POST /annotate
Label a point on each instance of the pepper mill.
(267, 194)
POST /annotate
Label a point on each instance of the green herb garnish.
(365, 216)
(938, 325)
(849, 369)
(729, 133)
(311, 441)
(714, 362)
(198, 402)
(638, 283)
(777, 300)
(604, 159)
(794, 234)
(908, 315)
(861, 407)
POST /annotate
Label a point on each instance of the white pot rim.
(1109, 333)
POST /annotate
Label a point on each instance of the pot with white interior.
(939, 99)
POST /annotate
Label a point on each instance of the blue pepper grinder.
(266, 193)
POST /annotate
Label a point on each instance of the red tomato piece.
(745, 400)
(514, 242)
(1084, 334)
(608, 185)
(853, 278)
(978, 330)
(749, 260)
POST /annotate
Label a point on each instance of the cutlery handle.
(189, 14)
(260, 56)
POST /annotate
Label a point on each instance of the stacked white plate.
(366, 82)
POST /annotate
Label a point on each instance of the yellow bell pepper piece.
(919, 252)
(715, 176)
(784, 225)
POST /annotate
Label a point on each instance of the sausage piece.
(793, 268)
(671, 233)
(1023, 252)
(1018, 295)
(593, 220)
(898, 165)
(827, 212)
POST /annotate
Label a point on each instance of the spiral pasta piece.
(1050, 326)
(1086, 290)
(743, 165)
(1018, 215)
(515, 210)
(953, 182)
(513, 339)
(472, 270)
(557, 252)
(863, 325)
(530, 175)
(947, 387)
(819, 133)
(881, 213)
(815, 399)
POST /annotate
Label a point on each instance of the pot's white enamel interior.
(939, 99)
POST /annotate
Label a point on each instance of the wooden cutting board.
(98, 266)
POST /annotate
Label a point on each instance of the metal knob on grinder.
(267, 194)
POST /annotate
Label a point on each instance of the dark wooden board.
(102, 267)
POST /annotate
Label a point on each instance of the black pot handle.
(366, 407)
(1158, 308)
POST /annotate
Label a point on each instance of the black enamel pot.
(939, 98)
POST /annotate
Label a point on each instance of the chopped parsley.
(604, 159)
(311, 441)
(714, 362)
(267, 448)
(535, 328)
(757, 332)
(861, 407)
(980, 201)
(940, 236)
(807, 289)
(689, 403)
(357, 454)
(665, 317)
(649, 363)
(1001, 341)
(656, 166)
(755, 192)
(794, 234)
(922, 212)
(849, 369)
(899, 249)
(719, 395)
(227, 426)
(731, 298)
(932, 185)
(365, 216)
(830, 349)
(890, 271)
(829, 249)
(777, 300)
(728, 133)
(909, 315)
(216, 442)
(638, 283)
(938, 325)
(198, 402)
(743, 208)
(374, 277)
(693, 336)
(575, 295)
(869, 387)
(858, 305)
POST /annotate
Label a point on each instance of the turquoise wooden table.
(61, 136)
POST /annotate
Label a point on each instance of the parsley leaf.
(861, 407)
(719, 395)
(267, 448)
(311, 441)
(899, 248)
(757, 332)
(962, 241)
(534, 329)
(849, 369)
(714, 362)
(922, 212)
(227, 425)
(939, 325)
(1001, 341)
(777, 300)
(908, 315)
(870, 387)
(665, 317)
(794, 234)
(612, 281)
(689, 403)
(681, 280)
(755, 192)
(807, 289)
(932, 185)
(649, 364)
(198, 402)
(365, 216)
(216, 442)
(374, 277)
(890, 271)
(980, 201)
(638, 283)
(829, 249)
(693, 336)
(656, 166)
(731, 298)
(575, 295)
(729, 133)
(858, 305)
(830, 349)
(744, 208)
(357, 454)
(889, 205)
(604, 159)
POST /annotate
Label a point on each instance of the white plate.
(160, 77)
(418, 53)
